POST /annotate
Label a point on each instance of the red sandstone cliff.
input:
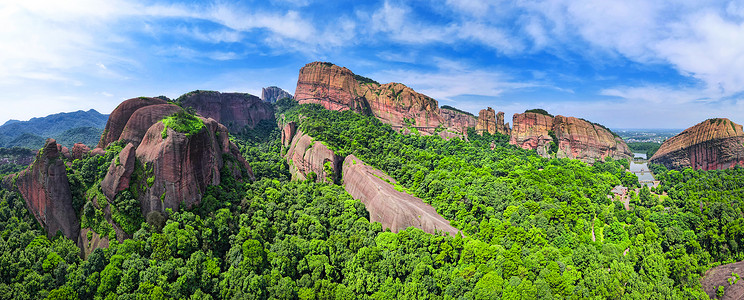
(394, 209)
(491, 122)
(576, 138)
(46, 190)
(234, 110)
(711, 145)
(306, 156)
(338, 88)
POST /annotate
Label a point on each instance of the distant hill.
(67, 128)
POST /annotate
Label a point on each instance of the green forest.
(532, 227)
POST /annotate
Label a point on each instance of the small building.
(620, 190)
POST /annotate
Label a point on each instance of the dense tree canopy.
(532, 227)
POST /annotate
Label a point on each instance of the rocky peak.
(234, 110)
(120, 116)
(46, 190)
(710, 145)
(273, 93)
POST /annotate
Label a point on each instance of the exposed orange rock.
(711, 145)
(576, 138)
(46, 190)
(141, 120)
(79, 150)
(395, 210)
(120, 116)
(491, 122)
(337, 88)
(306, 156)
(183, 166)
(119, 172)
(234, 110)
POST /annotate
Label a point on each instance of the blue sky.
(625, 64)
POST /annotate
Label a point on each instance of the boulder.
(306, 156)
(120, 116)
(234, 110)
(97, 151)
(46, 190)
(711, 145)
(64, 152)
(79, 150)
(395, 210)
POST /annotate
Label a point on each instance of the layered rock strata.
(575, 138)
(337, 88)
(713, 144)
(395, 210)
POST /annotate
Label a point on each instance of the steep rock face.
(500, 126)
(273, 93)
(46, 189)
(141, 120)
(306, 156)
(394, 209)
(183, 166)
(234, 110)
(79, 150)
(120, 116)
(119, 172)
(487, 121)
(711, 145)
(576, 138)
(337, 88)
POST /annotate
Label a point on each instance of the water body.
(639, 166)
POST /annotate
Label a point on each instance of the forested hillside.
(533, 227)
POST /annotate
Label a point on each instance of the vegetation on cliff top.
(539, 111)
(183, 121)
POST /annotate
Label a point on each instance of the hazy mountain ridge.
(67, 128)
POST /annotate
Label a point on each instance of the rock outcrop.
(79, 150)
(486, 121)
(395, 210)
(273, 93)
(183, 166)
(337, 88)
(711, 145)
(119, 172)
(141, 120)
(120, 116)
(234, 110)
(46, 190)
(575, 138)
(306, 156)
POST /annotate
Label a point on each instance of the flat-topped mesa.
(713, 144)
(394, 209)
(234, 110)
(576, 138)
(337, 88)
(491, 122)
(46, 190)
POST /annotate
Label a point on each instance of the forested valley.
(532, 227)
